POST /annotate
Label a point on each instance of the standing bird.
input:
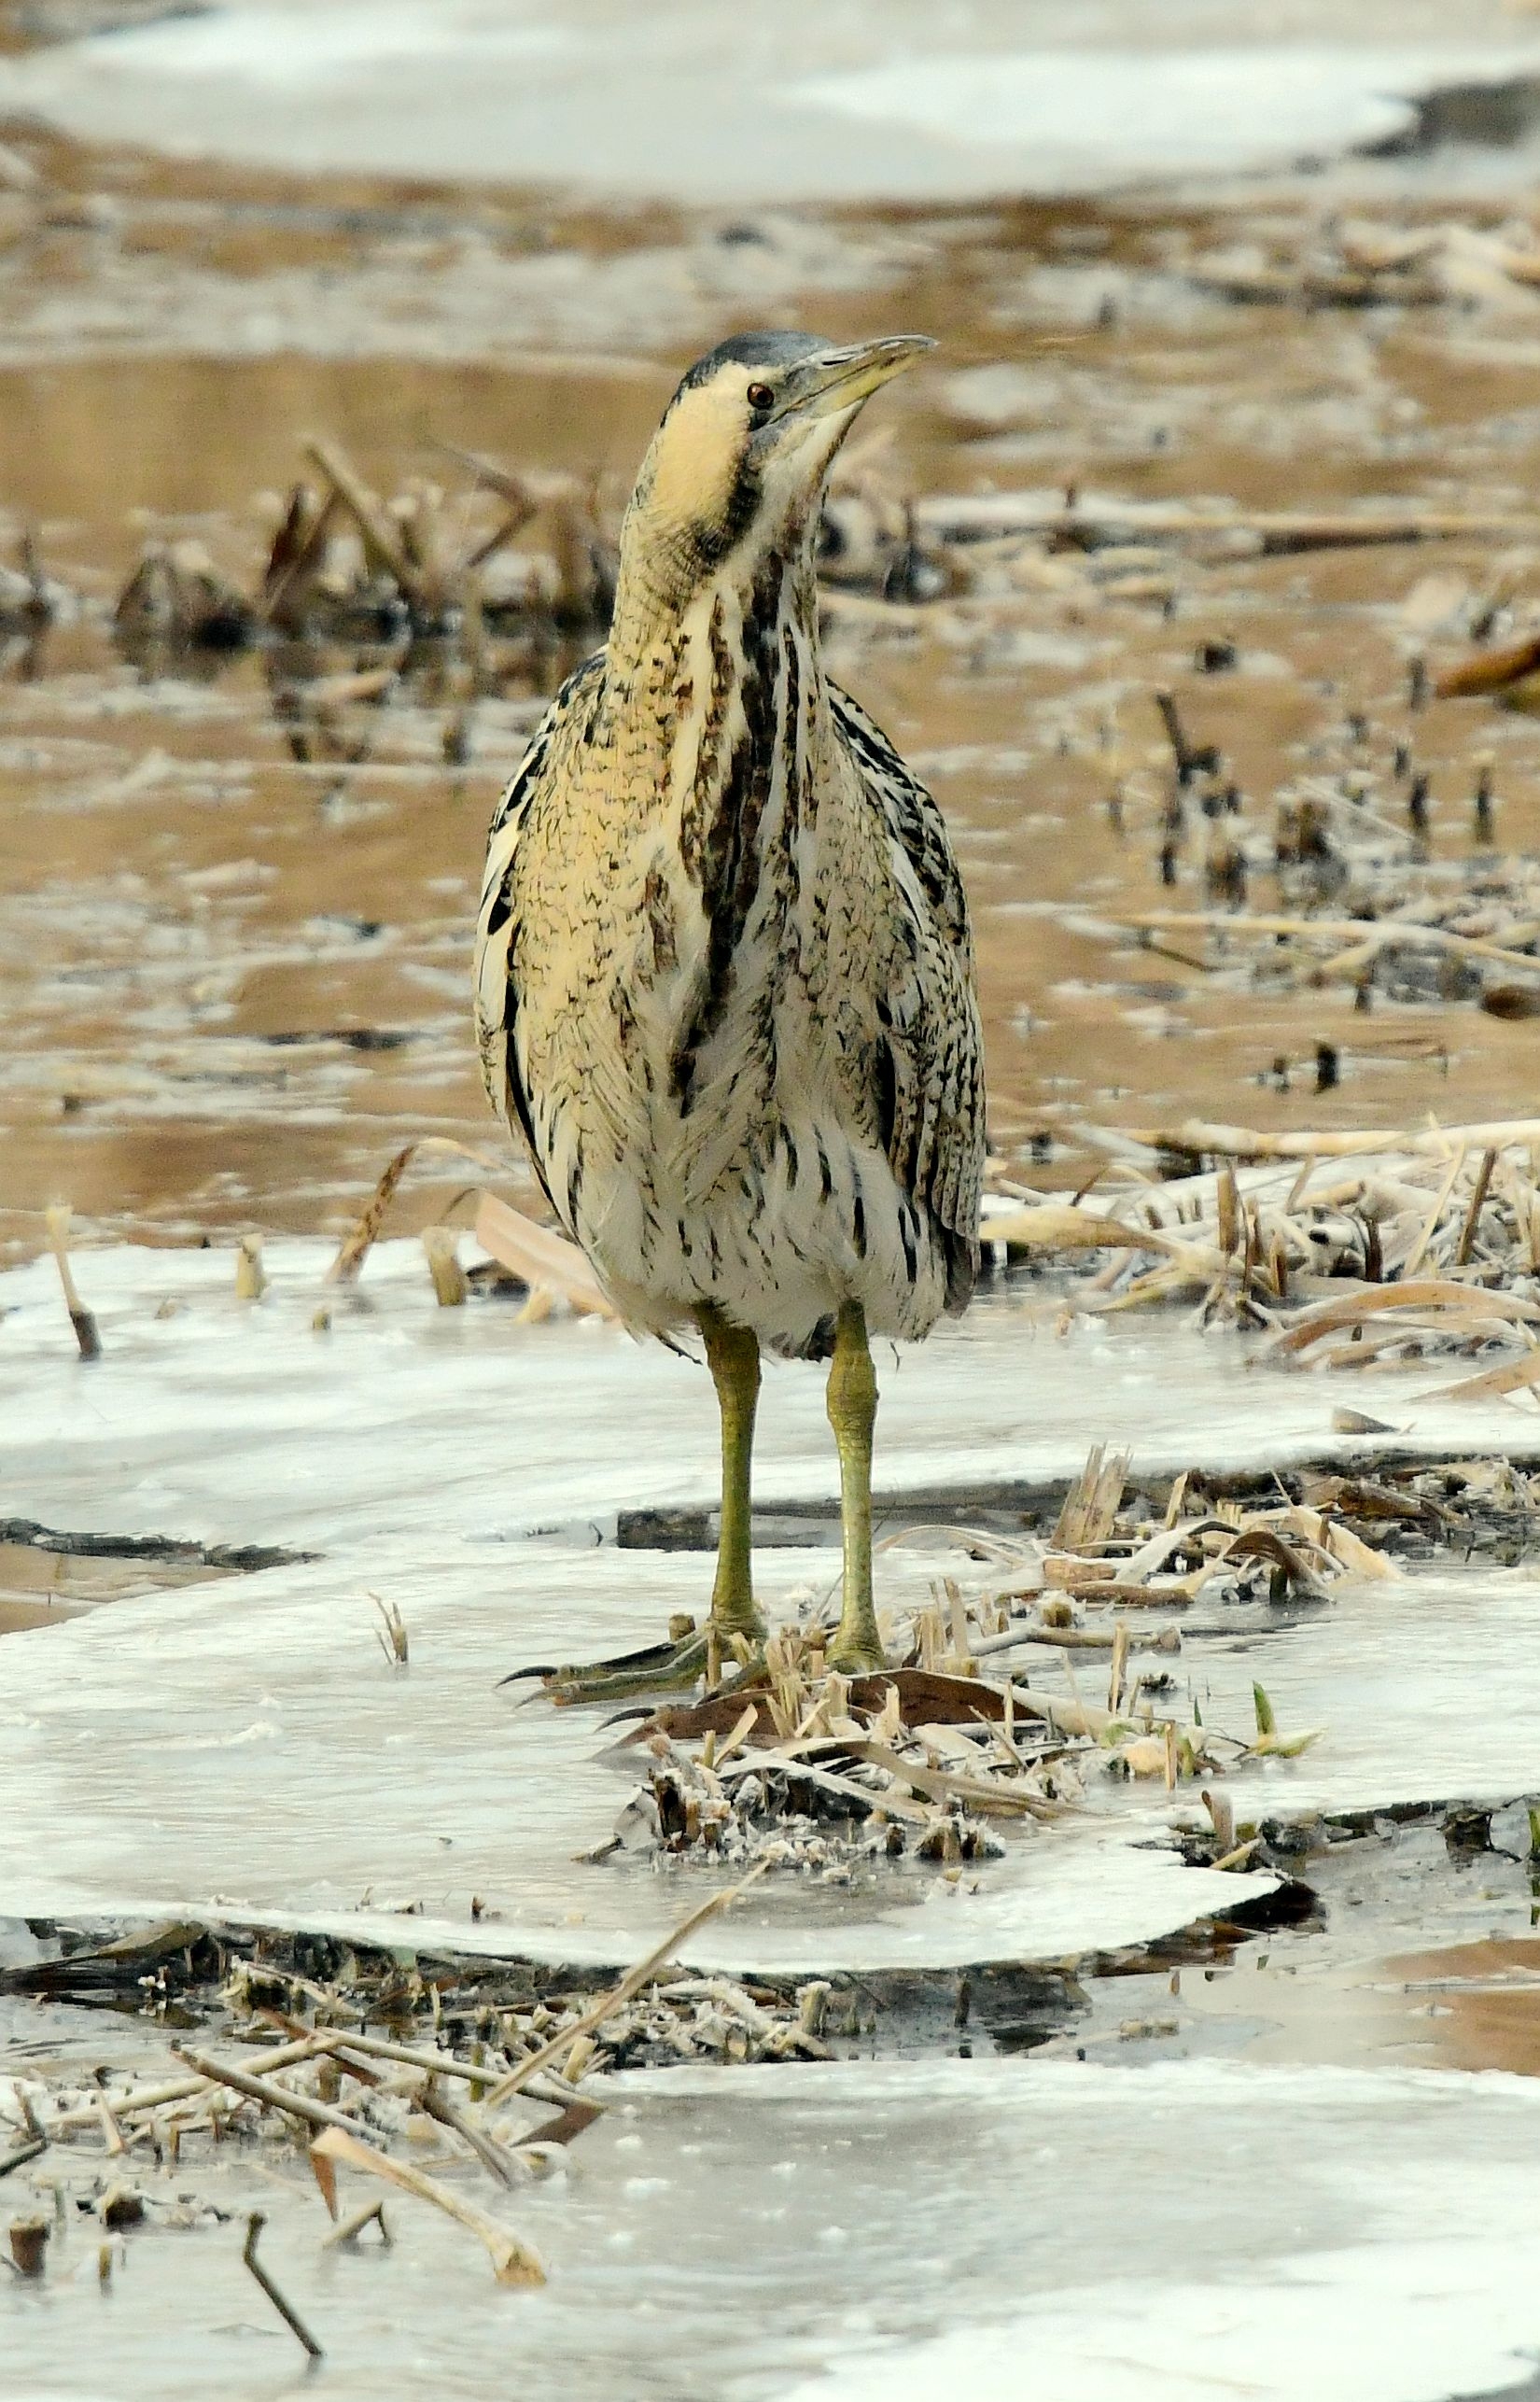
(724, 973)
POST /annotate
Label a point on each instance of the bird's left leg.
(857, 1648)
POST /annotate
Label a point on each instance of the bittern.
(724, 976)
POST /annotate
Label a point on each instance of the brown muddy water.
(1406, 1945)
(232, 981)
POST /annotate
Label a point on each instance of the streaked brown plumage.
(724, 973)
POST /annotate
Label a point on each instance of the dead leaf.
(540, 1256)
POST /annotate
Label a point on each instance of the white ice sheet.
(895, 102)
(243, 1746)
(829, 2235)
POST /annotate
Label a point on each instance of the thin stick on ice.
(80, 1318)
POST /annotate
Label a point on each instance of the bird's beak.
(842, 379)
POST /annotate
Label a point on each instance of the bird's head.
(744, 448)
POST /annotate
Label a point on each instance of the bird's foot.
(856, 1657)
(671, 1667)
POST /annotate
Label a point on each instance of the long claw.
(662, 1668)
(651, 1655)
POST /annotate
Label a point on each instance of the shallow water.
(206, 941)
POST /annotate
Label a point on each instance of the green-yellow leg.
(733, 1355)
(856, 1649)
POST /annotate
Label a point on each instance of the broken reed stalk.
(29, 2244)
(1473, 1215)
(630, 1985)
(285, 2307)
(348, 2229)
(564, 2125)
(357, 1243)
(295, 563)
(380, 2047)
(384, 549)
(449, 1281)
(1090, 522)
(946, 1785)
(1199, 1135)
(490, 2153)
(545, 1260)
(341, 2043)
(1375, 934)
(85, 1331)
(513, 2261)
(250, 1275)
(1489, 671)
(130, 2105)
(272, 2097)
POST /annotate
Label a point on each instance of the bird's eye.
(760, 398)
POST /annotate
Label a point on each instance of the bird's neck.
(667, 589)
(725, 678)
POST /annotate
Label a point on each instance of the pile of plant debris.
(1360, 1250)
(1374, 262)
(787, 1764)
(486, 2095)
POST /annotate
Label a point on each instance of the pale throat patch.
(691, 467)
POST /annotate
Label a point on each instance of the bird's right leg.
(733, 1355)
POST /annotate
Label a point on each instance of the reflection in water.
(1337, 1985)
(1482, 2000)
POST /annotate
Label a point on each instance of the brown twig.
(1192, 759)
(487, 2150)
(285, 2307)
(272, 2097)
(1473, 1215)
(292, 570)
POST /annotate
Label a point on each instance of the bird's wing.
(497, 925)
(929, 1069)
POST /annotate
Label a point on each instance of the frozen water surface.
(250, 1754)
(231, 1422)
(802, 102)
(243, 1747)
(823, 2234)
